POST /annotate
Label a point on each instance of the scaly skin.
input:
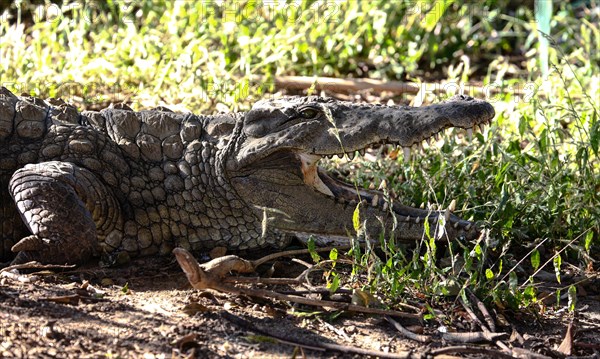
(146, 182)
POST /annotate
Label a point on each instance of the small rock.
(351, 329)
(194, 307)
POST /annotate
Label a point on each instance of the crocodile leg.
(64, 207)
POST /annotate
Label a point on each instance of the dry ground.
(149, 310)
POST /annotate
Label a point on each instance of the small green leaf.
(427, 231)
(543, 141)
(513, 281)
(435, 14)
(333, 255)
(312, 250)
(557, 264)
(523, 124)
(535, 259)
(489, 274)
(572, 298)
(595, 133)
(500, 267)
(125, 289)
(335, 283)
(428, 316)
(356, 218)
(529, 293)
(588, 240)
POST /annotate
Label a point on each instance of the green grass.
(533, 177)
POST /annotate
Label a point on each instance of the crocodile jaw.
(344, 193)
(273, 164)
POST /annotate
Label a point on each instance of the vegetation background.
(532, 179)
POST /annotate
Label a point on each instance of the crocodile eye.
(309, 113)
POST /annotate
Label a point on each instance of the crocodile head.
(274, 164)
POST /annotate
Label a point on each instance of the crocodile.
(77, 185)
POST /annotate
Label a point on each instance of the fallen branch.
(295, 252)
(210, 276)
(473, 337)
(472, 314)
(407, 333)
(487, 333)
(352, 85)
(35, 265)
(12, 272)
(486, 314)
(343, 85)
(72, 299)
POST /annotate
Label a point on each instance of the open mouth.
(342, 192)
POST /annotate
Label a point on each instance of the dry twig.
(486, 314)
(210, 276)
(407, 333)
(35, 265)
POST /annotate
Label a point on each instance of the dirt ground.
(147, 309)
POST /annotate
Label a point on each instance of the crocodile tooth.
(476, 128)
(456, 225)
(468, 227)
(340, 155)
(452, 205)
(417, 220)
(447, 215)
(422, 206)
(372, 186)
(383, 185)
(385, 206)
(470, 133)
(375, 200)
(351, 155)
(362, 152)
(406, 154)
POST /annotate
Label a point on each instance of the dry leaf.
(566, 347)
